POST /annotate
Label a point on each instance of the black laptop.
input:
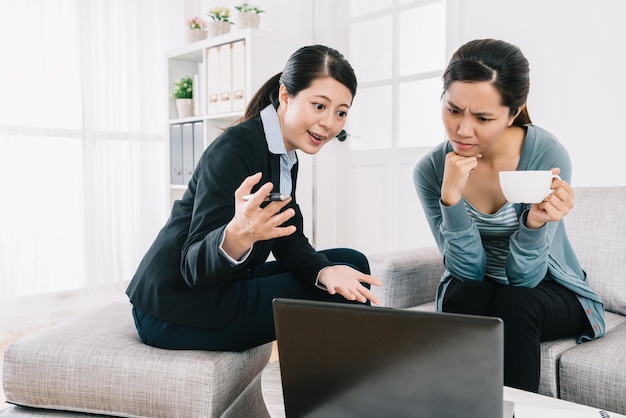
(346, 360)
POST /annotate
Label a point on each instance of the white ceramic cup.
(530, 186)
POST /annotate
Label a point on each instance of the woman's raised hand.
(252, 222)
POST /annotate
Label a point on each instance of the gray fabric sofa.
(96, 364)
(592, 373)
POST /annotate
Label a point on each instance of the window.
(397, 48)
(82, 146)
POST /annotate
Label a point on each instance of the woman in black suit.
(205, 283)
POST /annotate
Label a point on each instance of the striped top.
(495, 230)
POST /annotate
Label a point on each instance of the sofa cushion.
(594, 373)
(596, 228)
(551, 352)
(410, 277)
(96, 363)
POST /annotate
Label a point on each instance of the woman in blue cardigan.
(205, 283)
(512, 261)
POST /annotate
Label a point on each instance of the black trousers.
(546, 312)
(253, 323)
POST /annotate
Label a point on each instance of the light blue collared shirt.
(276, 145)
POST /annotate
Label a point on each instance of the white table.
(527, 404)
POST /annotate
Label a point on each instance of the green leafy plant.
(183, 88)
(220, 14)
(248, 8)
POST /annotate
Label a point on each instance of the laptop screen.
(346, 360)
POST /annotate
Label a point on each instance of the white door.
(367, 200)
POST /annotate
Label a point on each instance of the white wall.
(576, 54)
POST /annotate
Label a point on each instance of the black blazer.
(183, 278)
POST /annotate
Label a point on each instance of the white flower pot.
(184, 107)
(195, 35)
(217, 27)
(247, 20)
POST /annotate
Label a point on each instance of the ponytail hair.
(306, 65)
(523, 118)
(499, 63)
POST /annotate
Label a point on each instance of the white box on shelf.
(238, 71)
(225, 77)
(213, 80)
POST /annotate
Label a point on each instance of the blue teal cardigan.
(534, 254)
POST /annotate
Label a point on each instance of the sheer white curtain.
(83, 172)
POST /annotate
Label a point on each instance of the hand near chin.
(457, 170)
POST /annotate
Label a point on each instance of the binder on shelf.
(176, 154)
(238, 72)
(213, 80)
(225, 78)
(198, 142)
(187, 145)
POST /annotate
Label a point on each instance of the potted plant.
(220, 20)
(248, 16)
(196, 29)
(183, 93)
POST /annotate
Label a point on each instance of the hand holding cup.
(551, 197)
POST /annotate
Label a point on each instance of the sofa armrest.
(410, 277)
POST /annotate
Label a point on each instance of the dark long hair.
(306, 65)
(498, 62)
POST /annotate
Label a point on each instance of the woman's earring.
(341, 136)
